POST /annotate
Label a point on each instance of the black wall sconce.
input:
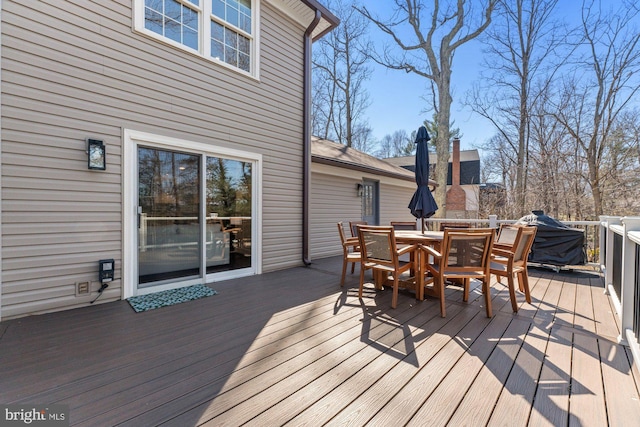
(96, 154)
(359, 189)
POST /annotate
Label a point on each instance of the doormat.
(169, 297)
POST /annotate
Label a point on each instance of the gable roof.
(465, 156)
(335, 154)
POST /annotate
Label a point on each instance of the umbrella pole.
(422, 225)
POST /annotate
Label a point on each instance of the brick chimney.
(456, 197)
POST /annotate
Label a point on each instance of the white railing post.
(608, 262)
(604, 222)
(493, 221)
(628, 277)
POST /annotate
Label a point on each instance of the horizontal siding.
(333, 198)
(75, 69)
(394, 202)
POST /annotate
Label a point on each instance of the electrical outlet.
(82, 288)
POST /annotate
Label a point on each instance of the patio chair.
(380, 253)
(353, 226)
(404, 225)
(464, 255)
(513, 261)
(506, 236)
(350, 252)
(456, 225)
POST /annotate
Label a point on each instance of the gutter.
(306, 115)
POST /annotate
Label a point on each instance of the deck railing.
(620, 244)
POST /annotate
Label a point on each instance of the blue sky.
(396, 97)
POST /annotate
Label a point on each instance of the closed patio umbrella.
(422, 204)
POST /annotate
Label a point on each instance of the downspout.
(306, 135)
(1, 237)
(1, 271)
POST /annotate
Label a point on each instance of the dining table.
(424, 238)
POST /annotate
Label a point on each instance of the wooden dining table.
(425, 238)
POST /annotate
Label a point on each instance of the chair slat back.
(353, 226)
(404, 225)
(343, 238)
(378, 244)
(524, 241)
(467, 250)
(507, 235)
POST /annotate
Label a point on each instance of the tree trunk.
(442, 138)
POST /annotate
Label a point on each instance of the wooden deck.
(293, 348)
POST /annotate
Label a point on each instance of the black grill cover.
(555, 243)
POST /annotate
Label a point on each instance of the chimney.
(456, 197)
(455, 163)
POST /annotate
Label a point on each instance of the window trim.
(204, 35)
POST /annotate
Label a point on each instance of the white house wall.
(75, 69)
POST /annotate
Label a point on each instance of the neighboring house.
(463, 179)
(348, 185)
(203, 110)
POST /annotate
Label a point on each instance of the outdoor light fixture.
(359, 189)
(96, 154)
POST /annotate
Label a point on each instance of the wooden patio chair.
(350, 253)
(380, 253)
(513, 261)
(456, 225)
(404, 225)
(464, 255)
(506, 236)
(353, 226)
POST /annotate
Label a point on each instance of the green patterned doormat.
(169, 297)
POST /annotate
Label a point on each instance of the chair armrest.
(352, 241)
(504, 246)
(406, 249)
(502, 252)
(431, 251)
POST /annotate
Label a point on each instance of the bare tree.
(432, 129)
(519, 67)
(396, 145)
(601, 87)
(340, 70)
(620, 179)
(363, 139)
(428, 52)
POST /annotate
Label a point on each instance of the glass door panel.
(370, 209)
(228, 213)
(168, 215)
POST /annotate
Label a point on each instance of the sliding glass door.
(194, 216)
(168, 215)
(228, 214)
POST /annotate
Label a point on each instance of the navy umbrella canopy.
(422, 204)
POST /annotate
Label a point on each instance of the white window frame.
(131, 140)
(204, 34)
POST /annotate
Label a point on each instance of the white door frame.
(131, 139)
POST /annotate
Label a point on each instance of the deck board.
(294, 348)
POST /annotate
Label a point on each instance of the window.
(231, 32)
(220, 30)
